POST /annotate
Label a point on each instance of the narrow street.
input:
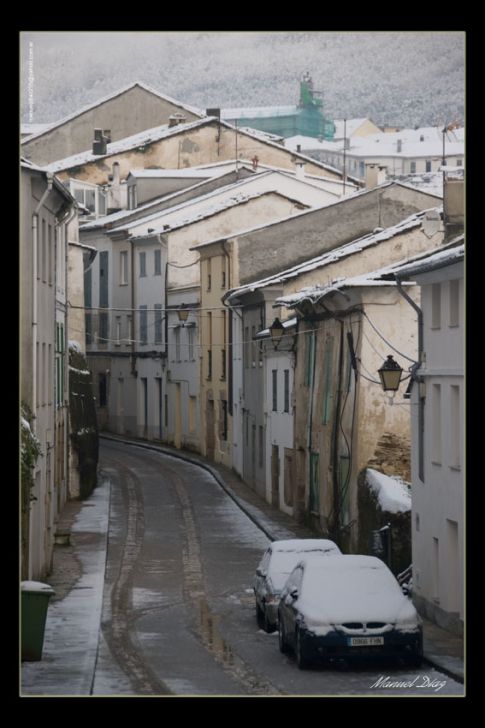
(178, 612)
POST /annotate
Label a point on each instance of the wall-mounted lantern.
(276, 331)
(390, 375)
(183, 313)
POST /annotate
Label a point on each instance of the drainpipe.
(229, 347)
(310, 408)
(133, 312)
(65, 221)
(415, 377)
(35, 234)
(335, 448)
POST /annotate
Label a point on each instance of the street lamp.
(390, 374)
(183, 313)
(276, 331)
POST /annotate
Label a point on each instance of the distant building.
(125, 112)
(307, 118)
(408, 152)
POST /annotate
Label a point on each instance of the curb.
(194, 461)
(431, 659)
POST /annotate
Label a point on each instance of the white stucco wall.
(438, 502)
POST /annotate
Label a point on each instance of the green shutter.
(327, 380)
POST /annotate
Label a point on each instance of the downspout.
(229, 352)
(335, 448)
(65, 222)
(133, 312)
(415, 377)
(35, 234)
(310, 409)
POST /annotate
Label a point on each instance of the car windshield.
(342, 594)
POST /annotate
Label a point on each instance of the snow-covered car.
(274, 568)
(345, 607)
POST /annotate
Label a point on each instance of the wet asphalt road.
(178, 608)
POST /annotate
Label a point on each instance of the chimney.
(107, 134)
(453, 202)
(399, 146)
(176, 119)
(375, 175)
(300, 169)
(213, 112)
(298, 148)
(99, 142)
(116, 173)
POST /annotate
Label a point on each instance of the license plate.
(365, 641)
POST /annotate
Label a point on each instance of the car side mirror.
(260, 572)
(294, 593)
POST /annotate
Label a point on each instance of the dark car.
(274, 568)
(347, 607)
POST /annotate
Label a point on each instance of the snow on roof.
(393, 494)
(186, 204)
(113, 95)
(236, 199)
(350, 588)
(320, 261)
(415, 143)
(256, 112)
(31, 129)
(351, 126)
(162, 173)
(262, 134)
(141, 139)
(122, 214)
(454, 253)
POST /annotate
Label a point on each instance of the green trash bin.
(35, 600)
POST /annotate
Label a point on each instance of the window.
(90, 200)
(209, 365)
(223, 424)
(223, 273)
(436, 420)
(177, 343)
(428, 165)
(103, 328)
(129, 323)
(287, 390)
(223, 364)
(459, 162)
(87, 288)
(103, 278)
(157, 262)
(89, 329)
(118, 330)
(44, 244)
(436, 306)
(209, 273)
(412, 168)
(123, 268)
(191, 337)
(274, 373)
(158, 323)
(143, 325)
(247, 348)
(254, 346)
(142, 260)
(50, 261)
(209, 348)
(454, 303)
(455, 427)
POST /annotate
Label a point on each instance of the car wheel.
(284, 646)
(302, 659)
(267, 625)
(260, 618)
